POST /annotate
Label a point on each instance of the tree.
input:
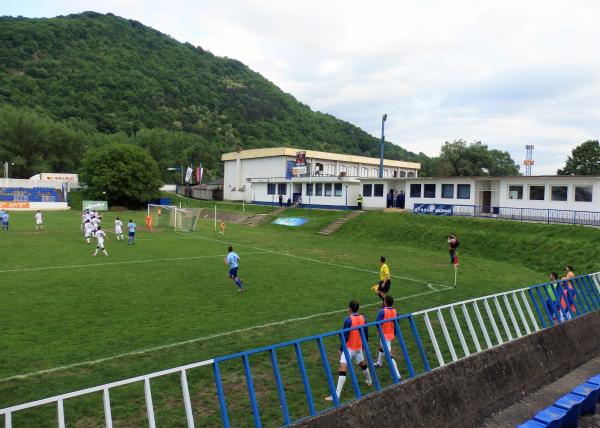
(584, 160)
(460, 158)
(123, 174)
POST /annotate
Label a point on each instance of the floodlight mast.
(383, 119)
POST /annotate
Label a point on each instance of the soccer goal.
(172, 217)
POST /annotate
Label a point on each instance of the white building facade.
(323, 180)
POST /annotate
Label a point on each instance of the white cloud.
(508, 73)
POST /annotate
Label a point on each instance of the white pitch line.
(119, 263)
(428, 284)
(196, 340)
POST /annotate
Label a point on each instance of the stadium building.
(321, 179)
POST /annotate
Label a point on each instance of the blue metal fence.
(505, 316)
(588, 218)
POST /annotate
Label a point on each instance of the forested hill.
(102, 73)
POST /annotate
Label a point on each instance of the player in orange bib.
(222, 232)
(568, 276)
(388, 330)
(148, 223)
(355, 348)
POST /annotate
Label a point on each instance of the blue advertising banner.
(289, 170)
(433, 209)
(291, 221)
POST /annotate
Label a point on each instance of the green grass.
(171, 287)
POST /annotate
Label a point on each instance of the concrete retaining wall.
(462, 394)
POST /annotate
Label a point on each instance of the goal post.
(172, 217)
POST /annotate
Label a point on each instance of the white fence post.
(107, 411)
(486, 336)
(461, 338)
(446, 335)
(149, 404)
(493, 321)
(60, 410)
(521, 315)
(536, 327)
(512, 316)
(186, 400)
(502, 319)
(436, 348)
(471, 329)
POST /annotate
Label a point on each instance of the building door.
(486, 201)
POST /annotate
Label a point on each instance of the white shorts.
(356, 355)
(388, 344)
(87, 234)
(100, 245)
(39, 222)
(118, 231)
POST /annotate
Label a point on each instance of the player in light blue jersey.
(4, 219)
(232, 259)
(131, 232)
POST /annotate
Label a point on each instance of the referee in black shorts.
(384, 279)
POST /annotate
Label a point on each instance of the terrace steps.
(333, 227)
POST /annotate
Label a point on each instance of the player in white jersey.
(94, 222)
(119, 229)
(100, 237)
(88, 230)
(39, 221)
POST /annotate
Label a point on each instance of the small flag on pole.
(455, 263)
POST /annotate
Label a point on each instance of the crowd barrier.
(424, 341)
(588, 218)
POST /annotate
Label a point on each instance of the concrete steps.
(255, 220)
(333, 227)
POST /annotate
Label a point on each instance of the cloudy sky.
(508, 72)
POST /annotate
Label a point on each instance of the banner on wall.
(289, 171)
(291, 221)
(95, 205)
(13, 205)
(433, 209)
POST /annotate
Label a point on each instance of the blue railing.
(319, 339)
(588, 218)
(474, 325)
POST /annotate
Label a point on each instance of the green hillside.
(97, 73)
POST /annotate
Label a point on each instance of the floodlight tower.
(528, 159)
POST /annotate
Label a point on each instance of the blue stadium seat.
(551, 417)
(572, 403)
(590, 392)
(532, 424)
(595, 379)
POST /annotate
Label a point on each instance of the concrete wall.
(462, 394)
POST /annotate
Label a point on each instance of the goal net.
(172, 217)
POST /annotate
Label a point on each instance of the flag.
(199, 173)
(188, 175)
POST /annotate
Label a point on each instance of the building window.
(537, 193)
(515, 192)
(463, 191)
(318, 168)
(378, 190)
(402, 174)
(395, 174)
(367, 189)
(374, 172)
(559, 193)
(353, 172)
(309, 189)
(447, 191)
(429, 190)
(319, 189)
(327, 189)
(282, 188)
(344, 168)
(415, 190)
(410, 174)
(365, 172)
(583, 193)
(270, 188)
(337, 189)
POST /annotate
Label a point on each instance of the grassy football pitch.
(69, 320)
